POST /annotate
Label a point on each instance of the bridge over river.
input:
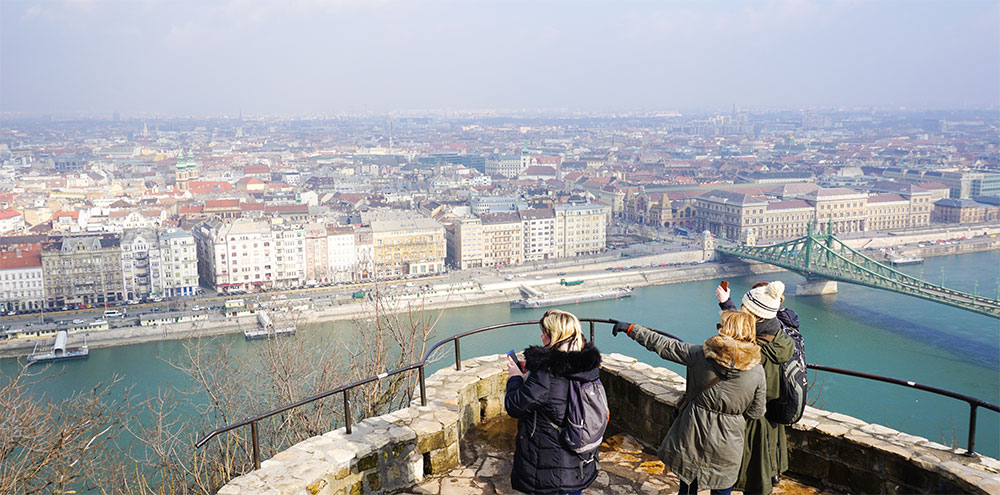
(821, 257)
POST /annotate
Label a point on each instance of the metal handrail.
(973, 402)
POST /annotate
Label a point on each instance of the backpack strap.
(687, 400)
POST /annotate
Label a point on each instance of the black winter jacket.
(538, 402)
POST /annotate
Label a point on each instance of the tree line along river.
(858, 328)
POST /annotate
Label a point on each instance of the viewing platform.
(459, 443)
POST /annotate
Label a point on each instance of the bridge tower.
(812, 285)
(707, 246)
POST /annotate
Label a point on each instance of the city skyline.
(345, 57)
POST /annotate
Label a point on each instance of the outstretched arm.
(667, 347)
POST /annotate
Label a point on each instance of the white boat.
(59, 351)
(907, 259)
(540, 302)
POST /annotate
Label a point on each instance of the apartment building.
(502, 239)
(506, 165)
(407, 245)
(236, 256)
(178, 263)
(342, 253)
(465, 242)
(317, 254)
(580, 229)
(965, 211)
(22, 285)
(141, 266)
(82, 270)
(289, 256)
(728, 214)
(539, 236)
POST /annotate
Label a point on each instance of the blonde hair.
(740, 325)
(563, 330)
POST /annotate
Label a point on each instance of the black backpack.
(793, 377)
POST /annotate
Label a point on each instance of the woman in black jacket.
(537, 399)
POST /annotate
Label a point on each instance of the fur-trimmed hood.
(577, 365)
(731, 355)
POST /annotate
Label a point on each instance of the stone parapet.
(827, 448)
(390, 452)
(395, 451)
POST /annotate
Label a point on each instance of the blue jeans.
(578, 492)
(692, 489)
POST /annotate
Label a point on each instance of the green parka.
(765, 451)
(705, 443)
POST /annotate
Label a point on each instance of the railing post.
(347, 411)
(423, 388)
(971, 449)
(458, 356)
(256, 449)
(591, 332)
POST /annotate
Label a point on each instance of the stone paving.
(626, 467)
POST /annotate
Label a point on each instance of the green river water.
(858, 328)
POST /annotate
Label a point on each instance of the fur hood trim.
(562, 363)
(731, 353)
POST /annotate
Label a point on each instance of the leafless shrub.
(59, 446)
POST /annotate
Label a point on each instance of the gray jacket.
(705, 443)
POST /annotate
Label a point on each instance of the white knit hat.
(766, 300)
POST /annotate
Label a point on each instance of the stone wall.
(390, 452)
(828, 449)
(395, 451)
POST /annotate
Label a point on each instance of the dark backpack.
(587, 416)
(793, 377)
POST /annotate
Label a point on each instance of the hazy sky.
(329, 56)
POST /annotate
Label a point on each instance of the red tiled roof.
(9, 213)
(222, 203)
(72, 214)
(11, 260)
(208, 187)
(256, 169)
(287, 209)
(188, 210)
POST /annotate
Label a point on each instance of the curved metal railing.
(345, 390)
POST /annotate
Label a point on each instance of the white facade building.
(178, 263)
(21, 283)
(236, 256)
(539, 234)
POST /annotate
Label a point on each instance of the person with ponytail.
(537, 398)
(765, 450)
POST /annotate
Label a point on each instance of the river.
(858, 328)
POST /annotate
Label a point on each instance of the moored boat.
(59, 351)
(540, 302)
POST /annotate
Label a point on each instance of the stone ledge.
(395, 451)
(828, 448)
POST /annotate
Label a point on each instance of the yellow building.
(408, 245)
